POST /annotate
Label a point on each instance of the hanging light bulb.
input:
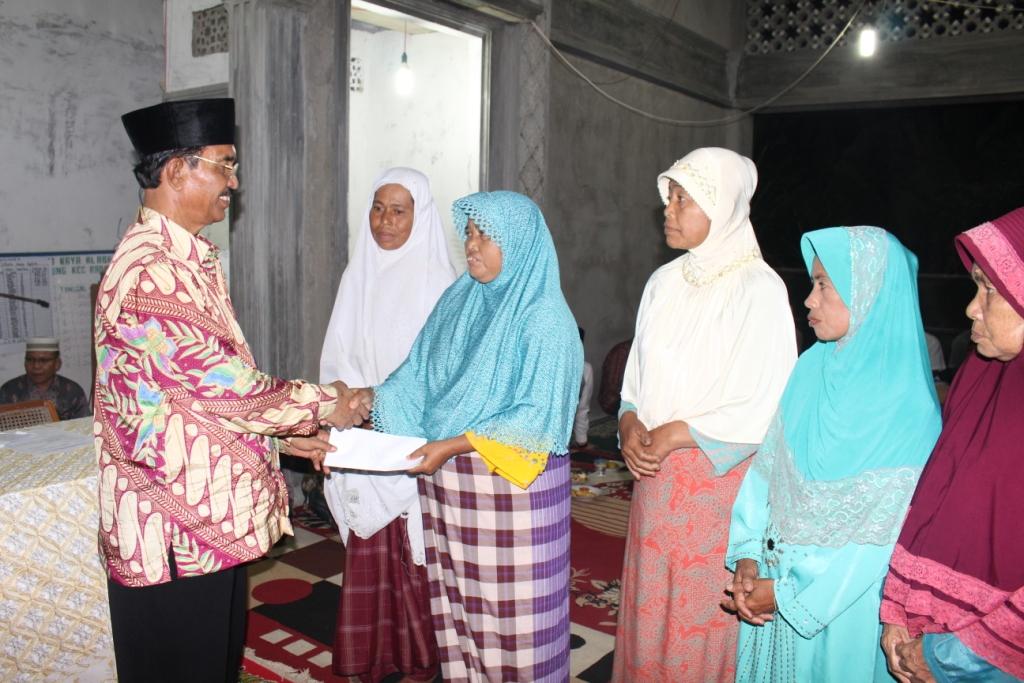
(867, 42)
(405, 79)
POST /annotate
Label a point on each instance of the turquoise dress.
(825, 496)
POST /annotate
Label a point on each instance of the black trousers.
(189, 629)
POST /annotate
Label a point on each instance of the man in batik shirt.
(189, 484)
(42, 383)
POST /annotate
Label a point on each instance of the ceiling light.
(867, 42)
(405, 79)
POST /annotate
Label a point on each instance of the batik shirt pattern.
(65, 394)
(184, 419)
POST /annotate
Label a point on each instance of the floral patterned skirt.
(671, 627)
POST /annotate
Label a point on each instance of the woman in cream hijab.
(714, 346)
(399, 268)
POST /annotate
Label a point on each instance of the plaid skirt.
(384, 623)
(498, 562)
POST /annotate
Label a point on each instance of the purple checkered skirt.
(384, 623)
(498, 562)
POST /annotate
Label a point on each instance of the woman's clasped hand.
(644, 449)
(750, 597)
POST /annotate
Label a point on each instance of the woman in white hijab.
(713, 349)
(399, 269)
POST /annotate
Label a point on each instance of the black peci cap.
(181, 124)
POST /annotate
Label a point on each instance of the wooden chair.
(26, 414)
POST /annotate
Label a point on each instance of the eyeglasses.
(229, 170)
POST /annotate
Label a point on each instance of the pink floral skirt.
(671, 627)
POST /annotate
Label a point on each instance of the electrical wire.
(647, 48)
(709, 123)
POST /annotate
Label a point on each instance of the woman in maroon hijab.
(953, 604)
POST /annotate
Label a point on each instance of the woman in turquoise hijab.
(818, 512)
(492, 383)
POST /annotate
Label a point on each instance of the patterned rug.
(293, 594)
(599, 524)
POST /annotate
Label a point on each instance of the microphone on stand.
(41, 302)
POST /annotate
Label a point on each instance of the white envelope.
(365, 449)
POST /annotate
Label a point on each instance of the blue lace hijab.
(501, 359)
(867, 400)
(859, 415)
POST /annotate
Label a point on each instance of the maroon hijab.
(959, 562)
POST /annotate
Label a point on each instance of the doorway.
(415, 99)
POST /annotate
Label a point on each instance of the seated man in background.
(42, 383)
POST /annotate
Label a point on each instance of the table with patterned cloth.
(54, 619)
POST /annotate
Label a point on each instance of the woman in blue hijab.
(492, 383)
(819, 510)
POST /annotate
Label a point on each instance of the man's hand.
(635, 440)
(314, 448)
(352, 408)
(362, 396)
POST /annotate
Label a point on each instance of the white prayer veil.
(383, 300)
(714, 341)
(385, 296)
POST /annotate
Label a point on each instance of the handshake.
(352, 409)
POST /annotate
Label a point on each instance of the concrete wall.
(977, 65)
(68, 70)
(602, 203)
(183, 75)
(436, 130)
(721, 21)
(183, 71)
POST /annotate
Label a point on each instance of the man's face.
(206, 188)
(41, 366)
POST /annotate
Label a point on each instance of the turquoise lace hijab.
(866, 401)
(501, 359)
(859, 415)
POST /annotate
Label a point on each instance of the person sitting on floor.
(42, 383)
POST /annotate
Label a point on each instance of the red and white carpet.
(293, 594)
